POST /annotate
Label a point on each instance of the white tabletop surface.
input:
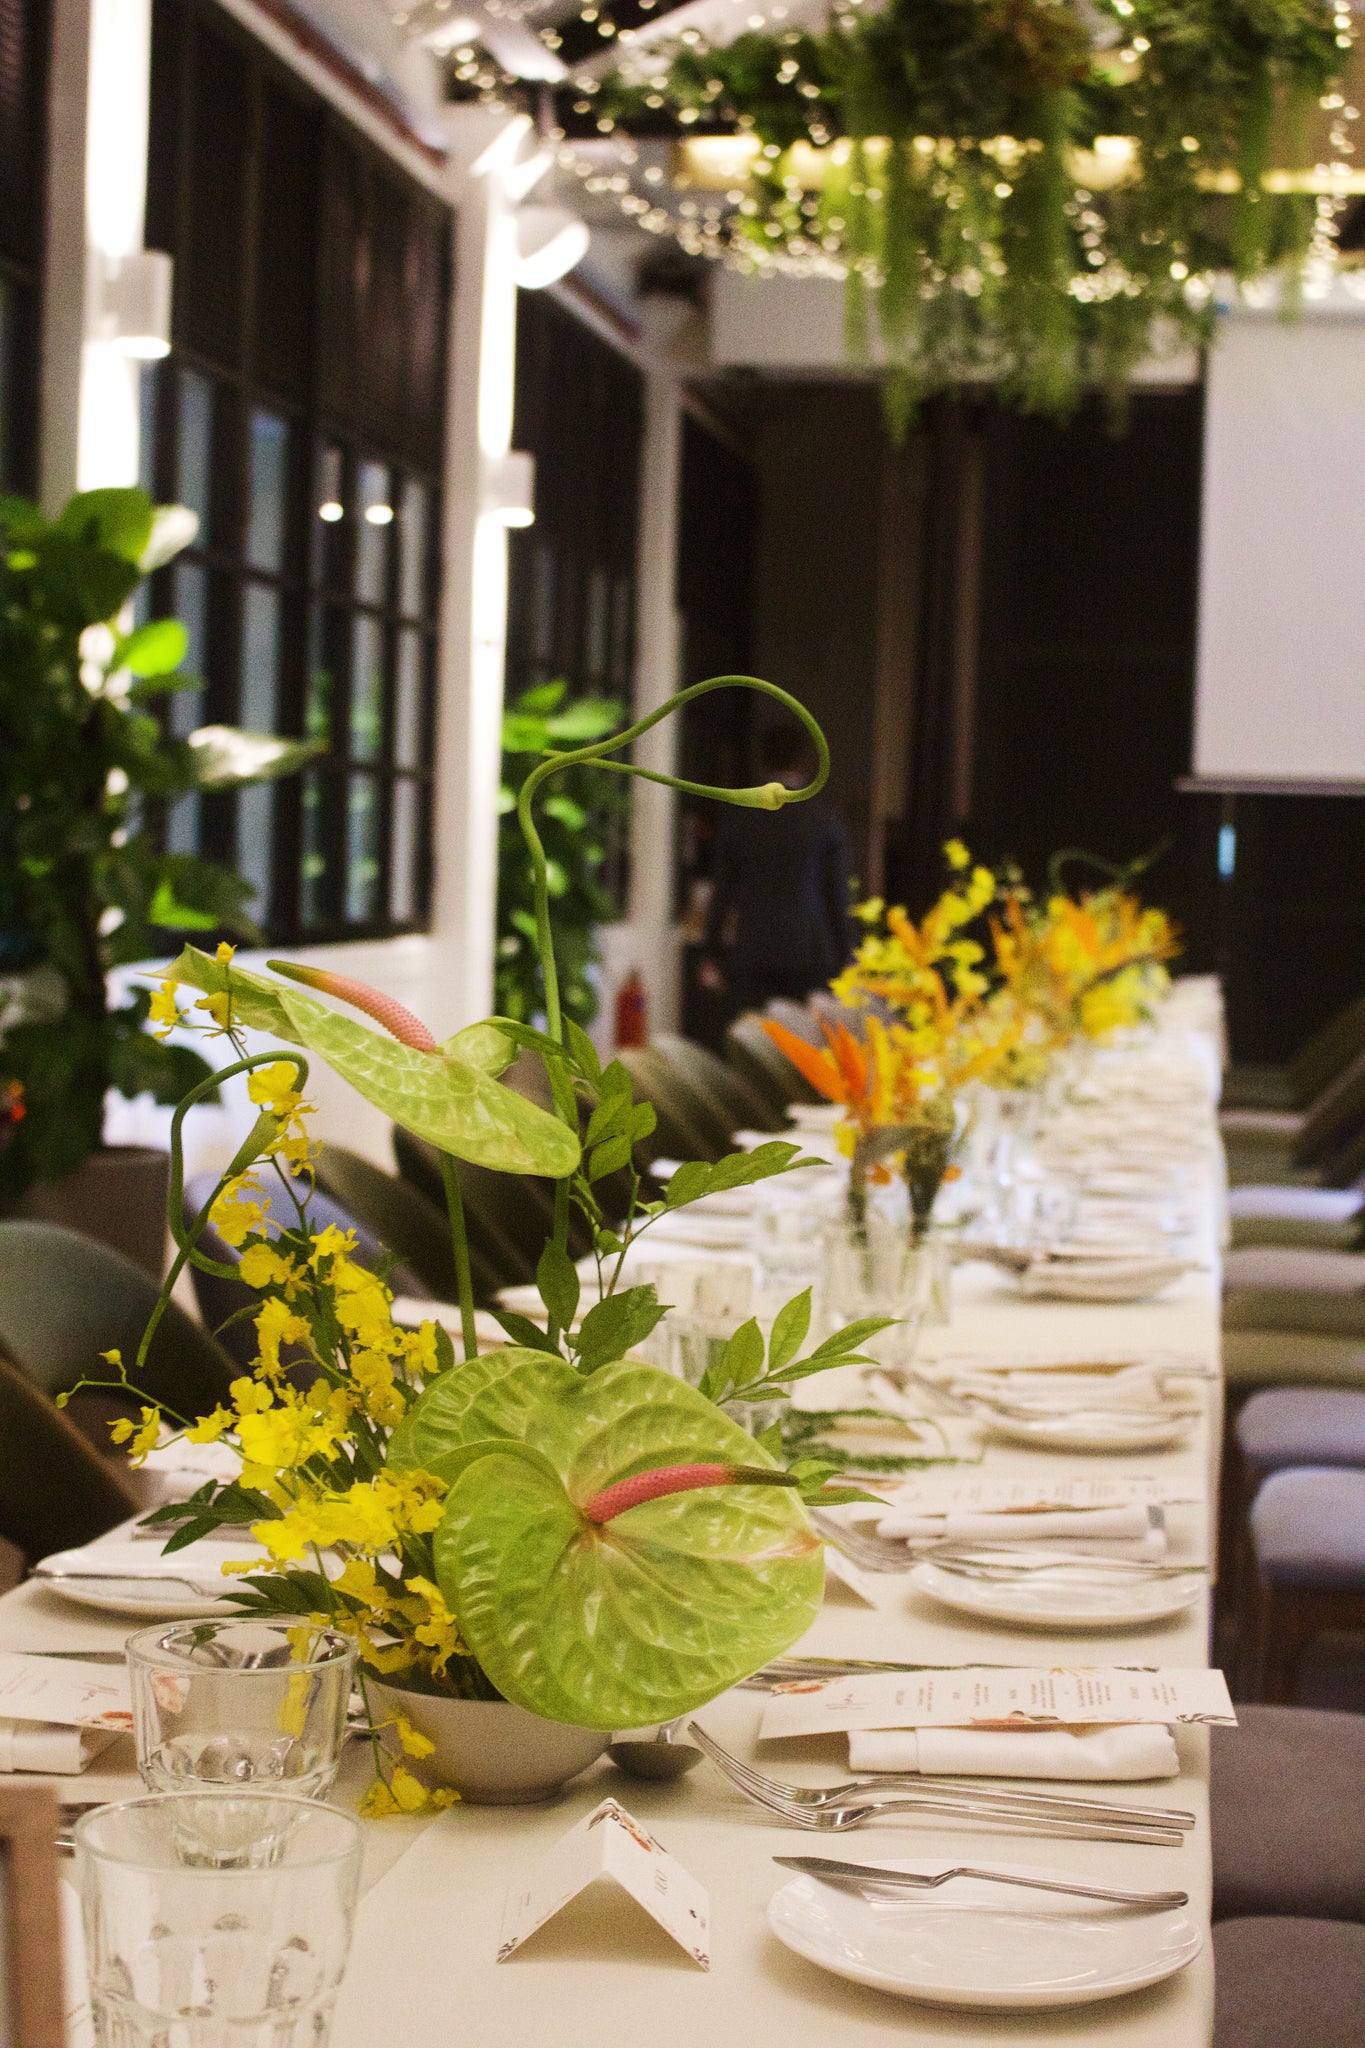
(422, 1973)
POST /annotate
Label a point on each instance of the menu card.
(996, 1696)
(611, 1843)
(942, 1493)
(64, 1690)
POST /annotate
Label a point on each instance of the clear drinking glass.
(233, 1706)
(183, 1955)
(878, 1268)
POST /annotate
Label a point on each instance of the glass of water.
(241, 1705)
(184, 1955)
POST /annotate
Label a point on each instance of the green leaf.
(789, 1331)
(742, 1358)
(583, 1050)
(485, 1046)
(117, 521)
(453, 1104)
(651, 1614)
(613, 1324)
(852, 1336)
(591, 718)
(524, 1332)
(493, 1395)
(558, 1284)
(156, 649)
(736, 1170)
(166, 909)
(609, 1157)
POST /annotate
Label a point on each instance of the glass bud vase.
(878, 1268)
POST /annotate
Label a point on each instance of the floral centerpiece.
(924, 1035)
(547, 1523)
(1081, 967)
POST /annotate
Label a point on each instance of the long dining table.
(424, 1971)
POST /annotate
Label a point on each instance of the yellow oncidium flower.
(236, 1214)
(163, 1011)
(140, 1437)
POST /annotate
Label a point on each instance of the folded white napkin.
(1117, 1526)
(1136, 1750)
(49, 1747)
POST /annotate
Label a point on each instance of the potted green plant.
(86, 770)
(548, 1529)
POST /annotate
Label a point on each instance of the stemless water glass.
(240, 1705)
(185, 1955)
(879, 1269)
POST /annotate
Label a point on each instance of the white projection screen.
(1281, 676)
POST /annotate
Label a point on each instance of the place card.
(611, 1843)
(846, 1573)
(997, 1696)
(65, 1691)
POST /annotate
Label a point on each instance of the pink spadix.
(632, 1493)
(398, 1021)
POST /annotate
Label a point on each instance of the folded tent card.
(57, 1714)
(611, 1844)
(1001, 1698)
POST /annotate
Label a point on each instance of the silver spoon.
(656, 1756)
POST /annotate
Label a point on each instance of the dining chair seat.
(1293, 1358)
(1288, 1984)
(1293, 1287)
(1308, 1528)
(1322, 1219)
(1308, 1539)
(1287, 1814)
(1285, 1426)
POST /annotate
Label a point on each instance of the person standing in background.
(781, 883)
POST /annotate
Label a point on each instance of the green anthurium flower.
(614, 1548)
(448, 1094)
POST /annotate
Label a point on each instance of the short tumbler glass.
(241, 1705)
(181, 1955)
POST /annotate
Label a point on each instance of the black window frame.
(274, 307)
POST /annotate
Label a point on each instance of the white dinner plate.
(1096, 1432)
(1066, 1598)
(137, 1596)
(983, 1946)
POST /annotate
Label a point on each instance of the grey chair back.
(55, 1491)
(64, 1299)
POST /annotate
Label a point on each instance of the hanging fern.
(940, 155)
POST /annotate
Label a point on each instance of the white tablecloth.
(423, 1974)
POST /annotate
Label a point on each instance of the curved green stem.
(187, 1236)
(459, 1239)
(765, 796)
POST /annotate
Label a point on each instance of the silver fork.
(866, 1877)
(838, 1807)
(893, 1554)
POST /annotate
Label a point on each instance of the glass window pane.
(7, 394)
(412, 591)
(597, 626)
(367, 687)
(542, 603)
(407, 715)
(320, 691)
(256, 844)
(148, 385)
(330, 524)
(374, 493)
(191, 605)
(259, 696)
(407, 798)
(268, 506)
(182, 825)
(362, 849)
(621, 635)
(313, 866)
(195, 467)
